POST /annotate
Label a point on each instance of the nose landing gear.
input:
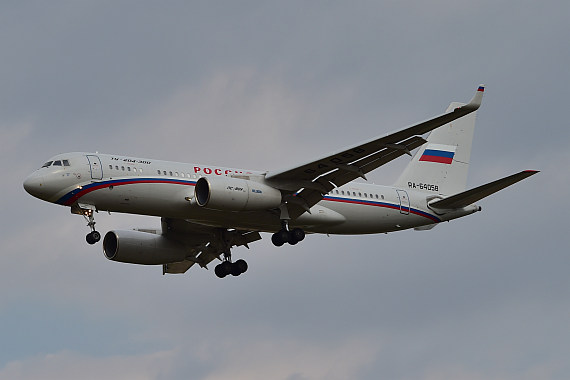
(94, 236)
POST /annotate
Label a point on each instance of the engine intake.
(235, 194)
(136, 247)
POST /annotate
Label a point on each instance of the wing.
(204, 244)
(320, 176)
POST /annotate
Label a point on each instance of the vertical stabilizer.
(442, 163)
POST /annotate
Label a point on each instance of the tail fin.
(442, 163)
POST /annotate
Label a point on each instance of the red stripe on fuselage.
(104, 185)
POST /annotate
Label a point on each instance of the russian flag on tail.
(442, 154)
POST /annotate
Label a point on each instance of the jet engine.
(136, 247)
(235, 194)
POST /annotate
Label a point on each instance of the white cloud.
(253, 359)
(68, 365)
(296, 359)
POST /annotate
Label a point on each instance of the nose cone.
(35, 185)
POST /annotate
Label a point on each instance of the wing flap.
(469, 197)
(177, 268)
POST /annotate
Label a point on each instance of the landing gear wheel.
(227, 268)
(297, 234)
(280, 237)
(283, 236)
(276, 240)
(96, 236)
(292, 240)
(93, 237)
(240, 266)
(223, 269)
(219, 271)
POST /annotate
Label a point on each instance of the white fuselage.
(166, 189)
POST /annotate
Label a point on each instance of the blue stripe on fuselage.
(382, 204)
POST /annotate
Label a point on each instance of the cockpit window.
(56, 163)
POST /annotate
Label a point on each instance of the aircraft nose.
(35, 185)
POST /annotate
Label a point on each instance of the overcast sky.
(264, 85)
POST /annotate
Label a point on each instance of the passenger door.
(95, 167)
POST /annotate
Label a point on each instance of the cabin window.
(376, 196)
(176, 174)
(342, 192)
(170, 173)
(116, 167)
(354, 194)
(128, 168)
(365, 196)
(110, 166)
(382, 196)
(65, 162)
(122, 168)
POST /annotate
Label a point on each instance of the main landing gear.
(284, 235)
(227, 267)
(94, 236)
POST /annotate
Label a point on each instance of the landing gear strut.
(284, 235)
(94, 236)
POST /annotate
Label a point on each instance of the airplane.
(207, 210)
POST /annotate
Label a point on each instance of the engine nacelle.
(135, 247)
(235, 194)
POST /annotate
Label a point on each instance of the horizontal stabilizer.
(468, 197)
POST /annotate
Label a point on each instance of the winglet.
(475, 102)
